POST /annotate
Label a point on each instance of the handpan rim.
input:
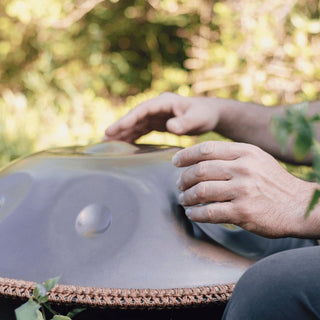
(118, 298)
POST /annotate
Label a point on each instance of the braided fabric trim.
(121, 298)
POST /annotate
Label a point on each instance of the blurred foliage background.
(69, 68)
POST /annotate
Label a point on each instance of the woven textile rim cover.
(107, 219)
(122, 298)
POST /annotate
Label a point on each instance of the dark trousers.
(284, 285)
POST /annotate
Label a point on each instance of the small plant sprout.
(35, 308)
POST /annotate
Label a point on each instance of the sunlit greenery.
(69, 68)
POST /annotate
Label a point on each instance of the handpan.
(105, 218)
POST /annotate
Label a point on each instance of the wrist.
(229, 113)
(306, 226)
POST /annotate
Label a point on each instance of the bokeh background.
(69, 68)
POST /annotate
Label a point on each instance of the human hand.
(167, 112)
(238, 183)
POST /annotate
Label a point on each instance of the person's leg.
(285, 285)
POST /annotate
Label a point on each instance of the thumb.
(184, 124)
(174, 125)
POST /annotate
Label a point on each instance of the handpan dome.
(106, 219)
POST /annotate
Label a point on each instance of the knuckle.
(246, 189)
(243, 167)
(201, 192)
(200, 169)
(226, 170)
(184, 180)
(244, 170)
(206, 147)
(167, 94)
(228, 194)
(208, 213)
(244, 211)
(250, 149)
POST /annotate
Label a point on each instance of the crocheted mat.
(121, 298)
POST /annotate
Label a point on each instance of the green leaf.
(281, 129)
(296, 122)
(303, 131)
(60, 317)
(313, 202)
(315, 118)
(302, 145)
(42, 300)
(50, 283)
(316, 165)
(39, 291)
(29, 311)
(74, 312)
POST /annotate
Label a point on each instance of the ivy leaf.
(303, 139)
(50, 283)
(281, 130)
(315, 118)
(313, 202)
(316, 164)
(302, 129)
(43, 299)
(74, 312)
(29, 311)
(295, 122)
(40, 291)
(60, 317)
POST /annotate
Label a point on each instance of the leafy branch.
(35, 308)
(297, 123)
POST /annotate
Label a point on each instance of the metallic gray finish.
(251, 245)
(105, 215)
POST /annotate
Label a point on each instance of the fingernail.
(176, 126)
(176, 160)
(188, 212)
(181, 198)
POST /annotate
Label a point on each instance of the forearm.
(250, 123)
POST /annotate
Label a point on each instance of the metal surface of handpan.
(105, 216)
